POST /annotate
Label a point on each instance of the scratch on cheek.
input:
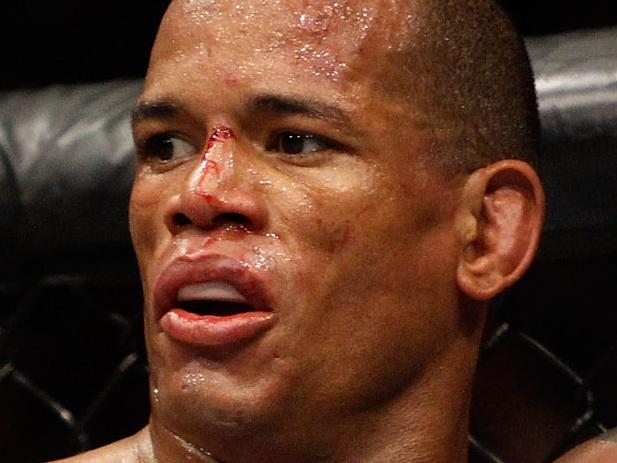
(369, 208)
(232, 80)
(344, 237)
(408, 190)
(337, 238)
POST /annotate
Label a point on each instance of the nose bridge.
(216, 192)
(217, 164)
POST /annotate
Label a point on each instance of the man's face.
(294, 209)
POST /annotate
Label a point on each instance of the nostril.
(231, 219)
(180, 220)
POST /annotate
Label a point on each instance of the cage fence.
(73, 369)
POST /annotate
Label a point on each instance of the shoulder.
(602, 449)
(134, 449)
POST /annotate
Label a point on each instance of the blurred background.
(73, 373)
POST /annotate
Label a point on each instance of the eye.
(298, 143)
(165, 147)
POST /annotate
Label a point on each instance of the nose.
(219, 191)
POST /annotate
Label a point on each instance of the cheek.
(329, 228)
(143, 212)
(324, 208)
(379, 234)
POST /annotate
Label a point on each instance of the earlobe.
(503, 206)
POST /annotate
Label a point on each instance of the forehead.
(331, 39)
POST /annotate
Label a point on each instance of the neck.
(426, 423)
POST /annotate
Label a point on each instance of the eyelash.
(156, 147)
(324, 143)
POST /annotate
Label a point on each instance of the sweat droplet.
(155, 395)
(193, 379)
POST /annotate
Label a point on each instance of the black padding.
(66, 166)
(66, 155)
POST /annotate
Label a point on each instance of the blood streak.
(211, 199)
(221, 134)
(209, 164)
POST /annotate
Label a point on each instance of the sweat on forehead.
(459, 62)
(325, 34)
(311, 16)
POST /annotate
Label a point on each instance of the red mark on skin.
(235, 234)
(344, 237)
(221, 134)
(231, 233)
(208, 164)
(408, 190)
(232, 81)
(211, 199)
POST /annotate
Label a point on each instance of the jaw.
(426, 422)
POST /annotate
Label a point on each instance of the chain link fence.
(73, 372)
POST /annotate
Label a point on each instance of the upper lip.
(183, 271)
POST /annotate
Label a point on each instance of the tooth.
(212, 290)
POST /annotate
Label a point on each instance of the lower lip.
(213, 331)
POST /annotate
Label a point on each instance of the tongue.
(211, 291)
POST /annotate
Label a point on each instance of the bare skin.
(273, 166)
(602, 449)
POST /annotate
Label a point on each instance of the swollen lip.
(210, 330)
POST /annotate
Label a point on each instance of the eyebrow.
(275, 104)
(291, 106)
(162, 109)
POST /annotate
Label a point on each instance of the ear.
(500, 222)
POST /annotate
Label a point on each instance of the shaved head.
(461, 61)
(316, 240)
(466, 62)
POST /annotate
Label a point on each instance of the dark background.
(73, 374)
(45, 42)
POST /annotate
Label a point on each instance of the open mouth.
(216, 314)
(211, 301)
(215, 299)
(215, 308)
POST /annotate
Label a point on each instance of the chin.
(218, 406)
(236, 393)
